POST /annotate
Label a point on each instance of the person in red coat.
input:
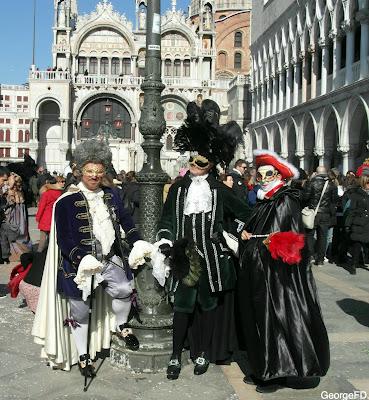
(50, 192)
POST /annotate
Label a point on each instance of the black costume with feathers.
(202, 133)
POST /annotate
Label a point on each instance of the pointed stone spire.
(174, 4)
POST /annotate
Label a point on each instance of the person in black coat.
(239, 187)
(279, 319)
(357, 219)
(326, 215)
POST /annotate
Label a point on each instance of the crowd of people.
(232, 249)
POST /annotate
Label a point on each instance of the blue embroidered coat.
(75, 238)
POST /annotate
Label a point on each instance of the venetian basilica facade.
(98, 62)
(310, 81)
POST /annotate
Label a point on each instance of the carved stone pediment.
(104, 11)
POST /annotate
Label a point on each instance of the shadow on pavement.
(3, 290)
(357, 308)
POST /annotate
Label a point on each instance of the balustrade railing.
(128, 80)
(49, 75)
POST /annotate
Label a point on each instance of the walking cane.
(89, 330)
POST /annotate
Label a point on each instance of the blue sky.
(16, 27)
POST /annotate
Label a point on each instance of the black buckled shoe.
(267, 388)
(201, 365)
(249, 380)
(86, 366)
(128, 337)
(173, 369)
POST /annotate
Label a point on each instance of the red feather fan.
(285, 245)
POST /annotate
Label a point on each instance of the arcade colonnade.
(310, 85)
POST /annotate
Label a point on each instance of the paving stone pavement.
(345, 306)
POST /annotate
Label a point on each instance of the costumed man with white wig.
(203, 273)
(85, 244)
(280, 321)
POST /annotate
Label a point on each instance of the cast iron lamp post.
(155, 333)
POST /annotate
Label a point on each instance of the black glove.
(347, 229)
(218, 238)
(165, 249)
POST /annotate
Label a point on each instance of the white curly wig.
(92, 151)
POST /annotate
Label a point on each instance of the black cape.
(280, 321)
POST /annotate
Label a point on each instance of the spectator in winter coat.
(326, 214)
(239, 188)
(50, 192)
(357, 219)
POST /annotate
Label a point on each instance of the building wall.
(100, 56)
(14, 122)
(310, 82)
(228, 24)
(266, 13)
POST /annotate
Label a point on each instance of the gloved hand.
(165, 249)
(348, 229)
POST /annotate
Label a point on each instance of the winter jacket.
(327, 209)
(357, 215)
(239, 188)
(45, 209)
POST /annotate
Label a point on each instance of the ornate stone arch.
(349, 114)
(338, 15)
(183, 30)
(42, 99)
(264, 136)
(88, 28)
(328, 110)
(292, 140)
(277, 139)
(84, 102)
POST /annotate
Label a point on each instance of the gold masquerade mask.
(93, 171)
(200, 162)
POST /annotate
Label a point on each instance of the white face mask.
(266, 174)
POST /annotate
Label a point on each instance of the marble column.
(253, 105)
(34, 129)
(313, 72)
(296, 80)
(300, 154)
(262, 100)
(324, 66)
(319, 152)
(288, 86)
(345, 150)
(199, 69)
(280, 90)
(304, 77)
(275, 94)
(109, 66)
(350, 49)
(268, 96)
(133, 65)
(363, 17)
(336, 57)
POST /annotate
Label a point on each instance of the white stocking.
(80, 337)
(121, 309)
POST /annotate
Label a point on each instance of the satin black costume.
(281, 325)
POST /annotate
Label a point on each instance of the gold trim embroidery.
(80, 203)
(84, 229)
(87, 242)
(83, 215)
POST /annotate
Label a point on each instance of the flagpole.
(34, 34)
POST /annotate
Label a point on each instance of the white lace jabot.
(199, 196)
(102, 226)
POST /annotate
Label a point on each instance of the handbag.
(309, 214)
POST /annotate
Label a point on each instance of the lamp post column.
(155, 332)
